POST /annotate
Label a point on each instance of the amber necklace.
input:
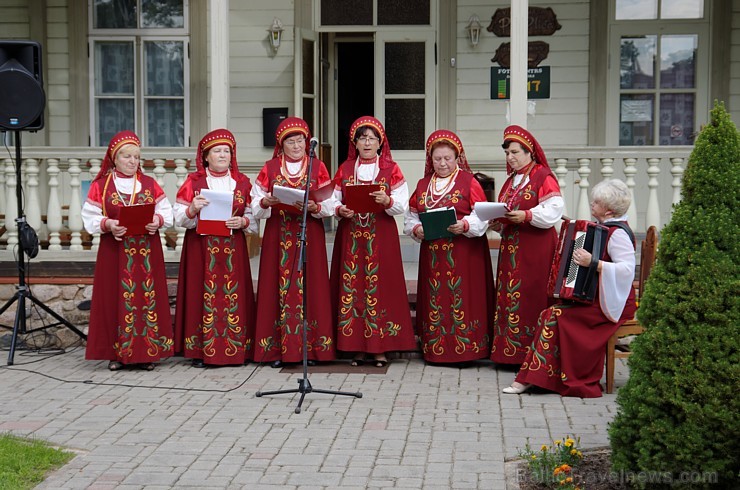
(296, 178)
(434, 195)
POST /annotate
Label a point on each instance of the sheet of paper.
(287, 195)
(219, 205)
(490, 210)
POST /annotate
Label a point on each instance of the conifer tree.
(679, 411)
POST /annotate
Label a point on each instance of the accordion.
(567, 279)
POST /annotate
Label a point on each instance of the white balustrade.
(54, 209)
(677, 173)
(159, 173)
(95, 164)
(607, 168)
(652, 218)
(181, 172)
(584, 170)
(630, 169)
(561, 171)
(11, 204)
(74, 219)
(31, 194)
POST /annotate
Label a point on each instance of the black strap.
(625, 227)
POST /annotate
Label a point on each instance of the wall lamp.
(276, 33)
(473, 29)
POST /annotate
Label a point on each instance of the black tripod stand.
(23, 293)
(304, 385)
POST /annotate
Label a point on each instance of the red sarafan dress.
(454, 306)
(567, 355)
(130, 318)
(368, 286)
(525, 257)
(214, 319)
(279, 319)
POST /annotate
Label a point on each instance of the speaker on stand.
(22, 102)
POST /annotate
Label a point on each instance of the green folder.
(436, 221)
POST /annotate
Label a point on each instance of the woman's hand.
(419, 232)
(496, 225)
(153, 226)
(312, 206)
(458, 228)
(198, 203)
(381, 198)
(345, 212)
(582, 257)
(117, 231)
(235, 222)
(516, 217)
(269, 201)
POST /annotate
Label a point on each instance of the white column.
(159, 172)
(75, 208)
(607, 168)
(584, 170)
(31, 201)
(677, 172)
(561, 171)
(519, 55)
(630, 170)
(54, 209)
(11, 204)
(95, 164)
(181, 172)
(218, 61)
(653, 207)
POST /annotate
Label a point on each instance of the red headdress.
(215, 138)
(115, 145)
(525, 138)
(385, 160)
(445, 136)
(290, 126)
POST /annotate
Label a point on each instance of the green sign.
(538, 83)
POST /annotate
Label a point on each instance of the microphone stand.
(304, 385)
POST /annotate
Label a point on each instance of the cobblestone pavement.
(417, 426)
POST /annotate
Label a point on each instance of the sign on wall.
(538, 82)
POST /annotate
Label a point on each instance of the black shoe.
(276, 364)
(198, 363)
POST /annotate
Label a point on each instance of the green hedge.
(678, 423)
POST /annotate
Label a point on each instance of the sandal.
(115, 366)
(380, 363)
(148, 366)
(357, 361)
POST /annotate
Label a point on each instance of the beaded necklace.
(296, 178)
(433, 196)
(513, 190)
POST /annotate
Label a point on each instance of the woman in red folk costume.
(367, 283)
(130, 321)
(278, 337)
(214, 320)
(454, 306)
(567, 355)
(528, 241)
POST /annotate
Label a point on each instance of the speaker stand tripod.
(304, 385)
(23, 293)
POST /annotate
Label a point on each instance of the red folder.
(135, 218)
(212, 227)
(357, 197)
(322, 193)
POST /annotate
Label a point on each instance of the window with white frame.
(139, 62)
(661, 71)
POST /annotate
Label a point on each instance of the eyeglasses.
(297, 142)
(367, 139)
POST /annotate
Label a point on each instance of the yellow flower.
(544, 447)
(573, 452)
(556, 471)
(534, 456)
(580, 454)
(558, 442)
(562, 482)
(569, 480)
(569, 442)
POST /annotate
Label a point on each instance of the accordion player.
(568, 280)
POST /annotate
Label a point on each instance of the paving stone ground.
(417, 426)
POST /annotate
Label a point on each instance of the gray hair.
(613, 194)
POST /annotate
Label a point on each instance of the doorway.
(355, 86)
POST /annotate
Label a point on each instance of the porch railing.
(55, 182)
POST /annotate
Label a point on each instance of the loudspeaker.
(22, 98)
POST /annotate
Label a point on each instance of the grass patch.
(25, 462)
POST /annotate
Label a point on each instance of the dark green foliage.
(679, 411)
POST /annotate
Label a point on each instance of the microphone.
(314, 143)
